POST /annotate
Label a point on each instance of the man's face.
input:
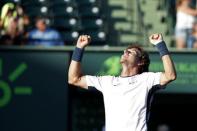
(130, 56)
(40, 24)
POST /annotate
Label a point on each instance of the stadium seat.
(85, 3)
(70, 37)
(94, 23)
(65, 23)
(34, 11)
(98, 36)
(9, 1)
(35, 3)
(90, 12)
(64, 11)
(62, 2)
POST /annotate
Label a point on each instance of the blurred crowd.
(15, 29)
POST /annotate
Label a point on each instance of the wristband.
(163, 50)
(77, 54)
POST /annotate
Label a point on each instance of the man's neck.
(126, 71)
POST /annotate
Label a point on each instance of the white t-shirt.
(184, 20)
(125, 99)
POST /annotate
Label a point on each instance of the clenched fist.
(83, 41)
(155, 39)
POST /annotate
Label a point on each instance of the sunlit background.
(37, 38)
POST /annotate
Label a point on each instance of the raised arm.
(188, 10)
(169, 73)
(75, 76)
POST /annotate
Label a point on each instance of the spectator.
(43, 35)
(185, 18)
(7, 13)
(22, 20)
(192, 40)
(13, 23)
(8, 24)
(11, 36)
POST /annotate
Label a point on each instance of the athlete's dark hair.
(143, 57)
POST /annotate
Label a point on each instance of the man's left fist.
(155, 39)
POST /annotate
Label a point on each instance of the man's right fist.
(83, 41)
(155, 39)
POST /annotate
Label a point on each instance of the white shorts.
(183, 33)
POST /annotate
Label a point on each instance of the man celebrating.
(126, 97)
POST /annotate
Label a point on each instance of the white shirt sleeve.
(94, 81)
(153, 79)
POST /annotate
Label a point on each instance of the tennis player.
(126, 97)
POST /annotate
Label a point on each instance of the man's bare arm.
(169, 73)
(75, 76)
